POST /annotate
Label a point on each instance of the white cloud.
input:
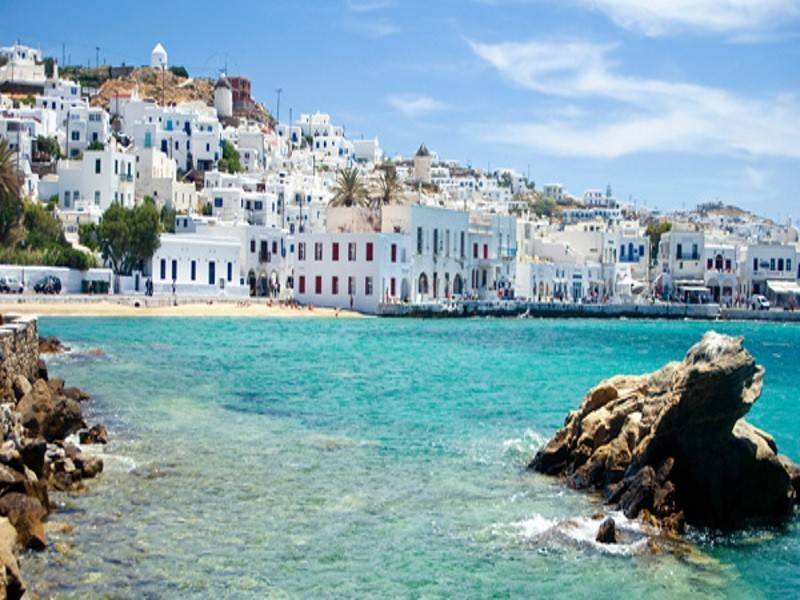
(657, 114)
(368, 5)
(757, 178)
(658, 17)
(414, 105)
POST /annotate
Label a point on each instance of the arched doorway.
(458, 285)
(251, 282)
(718, 262)
(422, 287)
(405, 290)
(262, 284)
(274, 284)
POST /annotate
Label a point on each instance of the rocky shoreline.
(37, 415)
(672, 447)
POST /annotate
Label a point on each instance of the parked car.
(759, 302)
(10, 285)
(48, 285)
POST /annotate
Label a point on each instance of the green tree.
(127, 238)
(88, 236)
(230, 161)
(389, 186)
(654, 231)
(179, 71)
(208, 210)
(10, 184)
(168, 216)
(49, 146)
(349, 189)
(96, 145)
(43, 229)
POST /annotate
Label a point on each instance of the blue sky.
(681, 102)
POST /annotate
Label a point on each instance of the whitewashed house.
(98, 179)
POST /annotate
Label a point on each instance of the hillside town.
(250, 206)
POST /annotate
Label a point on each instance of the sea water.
(376, 458)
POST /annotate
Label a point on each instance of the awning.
(784, 287)
(693, 288)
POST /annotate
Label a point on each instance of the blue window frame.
(212, 275)
(163, 268)
(230, 271)
(194, 270)
(217, 202)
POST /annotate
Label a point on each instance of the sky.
(671, 102)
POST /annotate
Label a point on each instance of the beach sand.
(189, 309)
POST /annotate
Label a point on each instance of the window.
(274, 247)
(217, 202)
(419, 240)
(97, 197)
(486, 251)
(194, 270)
(318, 284)
(334, 285)
(212, 272)
(727, 264)
(641, 250)
(369, 251)
(252, 246)
(351, 251)
(710, 264)
(76, 136)
(393, 286)
(259, 205)
(394, 253)
(317, 250)
(174, 269)
(755, 264)
(679, 251)
(116, 167)
(771, 264)
(302, 284)
(368, 286)
(97, 163)
(335, 251)
(351, 286)
(462, 244)
(163, 269)
(230, 271)
(301, 251)
(780, 264)
(435, 241)
(788, 264)
(474, 250)
(66, 199)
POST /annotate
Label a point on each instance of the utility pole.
(63, 53)
(97, 57)
(163, 73)
(279, 91)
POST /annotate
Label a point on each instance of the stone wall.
(19, 351)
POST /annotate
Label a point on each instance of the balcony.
(125, 177)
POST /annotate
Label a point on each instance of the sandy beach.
(189, 309)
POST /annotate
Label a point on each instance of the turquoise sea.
(312, 458)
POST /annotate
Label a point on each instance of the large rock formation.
(672, 447)
(37, 413)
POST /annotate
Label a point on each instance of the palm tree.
(10, 178)
(389, 187)
(349, 189)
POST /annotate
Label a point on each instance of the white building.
(22, 69)
(771, 270)
(100, 178)
(198, 265)
(156, 176)
(158, 57)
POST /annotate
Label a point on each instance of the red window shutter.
(335, 250)
(318, 284)
(392, 284)
(369, 251)
(394, 256)
(485, 251)
(474, 250)
(302, 284)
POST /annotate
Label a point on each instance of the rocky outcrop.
(51, 345)
(37, 413)
(672, 446)
(97, 434)
(607, 533)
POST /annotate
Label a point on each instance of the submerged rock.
(51, 345)
(97, 434)
(607, 534)
(673, 445)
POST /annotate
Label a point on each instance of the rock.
(25, 514)
(51, 345)
(74, 393)
(673, 444)
(21, 386)
(65, 418)
(89, 466)
(33, 456)
(35, 406)
(607, 534)
(56, 386)
(11, 584)
(96, 435)
(41, 369)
